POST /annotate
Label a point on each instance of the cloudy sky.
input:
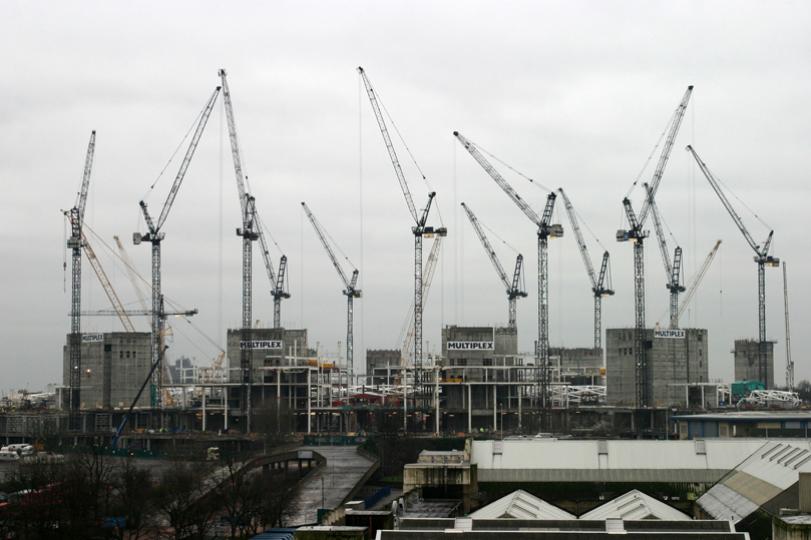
(574, 94)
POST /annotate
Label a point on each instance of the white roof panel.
(521, 505)
(635, 505)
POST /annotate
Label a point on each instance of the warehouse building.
(114, 366)
(746, 354)
(676, 357)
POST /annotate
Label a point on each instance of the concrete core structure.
(675, 358)
(579, 365)
(383, 365)
(114, 366)
(746, 353)
(268, 348)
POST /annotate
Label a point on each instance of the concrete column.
(309, 404)
(436, 399)
(495, 409)
(520, 420)
(469, 408)
(204, 409)
(225, 410)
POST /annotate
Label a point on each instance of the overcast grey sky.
(573, 93)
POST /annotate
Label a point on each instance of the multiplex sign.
(470, 345)
(670, 334)
(92, 338)
(261, 344)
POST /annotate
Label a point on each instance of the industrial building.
(114, 366)
(675, 358)
(746, 354)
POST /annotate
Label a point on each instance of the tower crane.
(789, 361)
(155, 236)
(513, 287)
(350, 285)
(109, 291)
(250, 231)
(420, 227)
(673, 270)
(637, 234)
(598, 284)
(546, 230)
(428, 275)
(762, 258)
(75, 245)
(696, 281)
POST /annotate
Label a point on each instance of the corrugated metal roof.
(766, 473)
(635, 505)
(521, 505)
(615, 460)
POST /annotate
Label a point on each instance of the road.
(328, 486)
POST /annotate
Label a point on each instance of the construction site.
(628, 381)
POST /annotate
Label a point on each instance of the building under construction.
(114, 366)
(675, 358)
(747, 354)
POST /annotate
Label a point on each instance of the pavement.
(327, 486)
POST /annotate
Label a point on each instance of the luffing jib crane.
(673, 269)
(250, 231)
(691, 290)
(513, 286)
(546, 230)
(599, 285)
(762, 258)
(637, 234)
(350, 285)
(420, 228)
(75, 245)
(155, 236)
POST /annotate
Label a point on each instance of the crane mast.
(598, 285)
(155, 236)
(350, 286)
(428, 273)
(762, 258)
(673, 269)
(637, 234)
(513, 287)
(75, 245)
(546, 230)
(420, 227)
(789, 362)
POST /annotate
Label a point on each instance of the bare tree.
(182, 501)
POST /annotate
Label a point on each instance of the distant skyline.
(573, 94)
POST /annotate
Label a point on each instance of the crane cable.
(510, 167)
